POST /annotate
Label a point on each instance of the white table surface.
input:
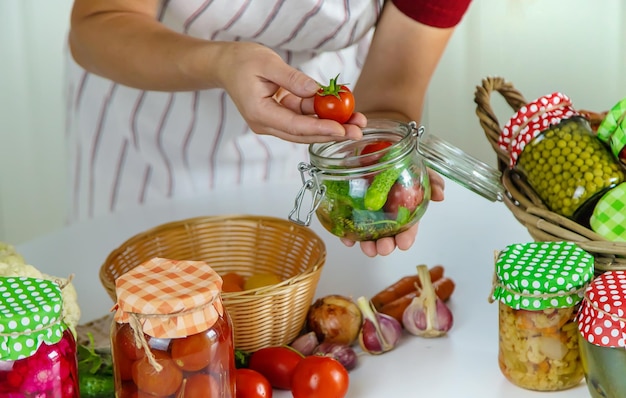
(460, 233)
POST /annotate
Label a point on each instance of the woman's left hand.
(403, 240)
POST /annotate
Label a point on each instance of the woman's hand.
(277, 99)
(404, 240)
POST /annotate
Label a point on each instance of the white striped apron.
(128, 147)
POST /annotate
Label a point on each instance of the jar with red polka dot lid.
(553, 146)
(602, 327)
(37, 348)
(539, 287)
(171, 335)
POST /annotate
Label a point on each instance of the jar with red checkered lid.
(554, 148)
(171, 335)
(602, 327)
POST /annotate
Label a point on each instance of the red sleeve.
(436, 13)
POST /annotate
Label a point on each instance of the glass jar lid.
(541, 275)
(30, 315)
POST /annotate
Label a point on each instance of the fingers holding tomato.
(334, 102)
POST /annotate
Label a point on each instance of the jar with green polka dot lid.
(553, 146)
(539, 287)
(37, 349)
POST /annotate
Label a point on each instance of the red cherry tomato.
(319, 376)
(276, 364)
(400, 196)
(335, 102)
(163, 383)
(125, 340)
(375, 147)
(252, 384)
(200, 385)
(192, 353)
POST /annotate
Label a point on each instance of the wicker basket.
(520, 198)
(262, 317)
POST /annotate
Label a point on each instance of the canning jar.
(602, 327)
(171, 335)
(608, 218)
(612, 130)
(538, 287)
(37, 349)
(553, 147)
(379, 186)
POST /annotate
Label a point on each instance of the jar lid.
(170, 298)
(612, 129)
(541, 275)
(531, 119)
(609, 215)
(30, 314)
(461, 167)
(601, 319)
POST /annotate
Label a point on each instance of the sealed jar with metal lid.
(379, 186)
(602, 326)
(612, 130)
(37, 349)
(562, 160)
(171, 335)
(538, 287)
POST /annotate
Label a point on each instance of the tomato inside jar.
(153, 359)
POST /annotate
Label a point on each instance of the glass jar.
(554, 148)
(601, 324)
(379, 186)
(37, 349)
(538, 287)
(171, 335)
(612, 130)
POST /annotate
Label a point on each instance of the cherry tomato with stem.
(276, 364)
(334, 102)
(252, 384)
(320, 376)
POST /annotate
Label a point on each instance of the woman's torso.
(128, 147)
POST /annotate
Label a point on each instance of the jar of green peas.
(554, 148)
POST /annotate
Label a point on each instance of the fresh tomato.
(192, 353)
(163, 383)
(319, 376)
(375, 147)
(401, 196)
(276, 364)
(252, 384)
(335, 102)
(200, 385)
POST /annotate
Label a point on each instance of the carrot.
(403, 287)
(443, 288)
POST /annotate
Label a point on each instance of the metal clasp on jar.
(318, 191)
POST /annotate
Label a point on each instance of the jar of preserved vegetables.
(554, 148)
(37, 349)
(539, 287)
(379, 186)
(602, 326)
(171, 335)
(612, 130)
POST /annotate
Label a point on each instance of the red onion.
(380, 332)
(427, 315)
(341, 352)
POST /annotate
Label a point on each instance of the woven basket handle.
(486, 115)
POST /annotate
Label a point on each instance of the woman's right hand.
(277, 99)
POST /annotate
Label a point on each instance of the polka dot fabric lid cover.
(530, 120)
(30, 314)
(541, 275)
(602, 315)
(171, 298)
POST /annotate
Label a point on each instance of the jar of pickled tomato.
(379, 186)
(171, 335)
(554, 148)
(539, 287)
(601, 323)
(37, 349)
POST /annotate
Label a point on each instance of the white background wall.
(573, 46)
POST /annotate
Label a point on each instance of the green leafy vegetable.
(95, 371)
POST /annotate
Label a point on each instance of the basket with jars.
(563, 169)
(287, 257)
